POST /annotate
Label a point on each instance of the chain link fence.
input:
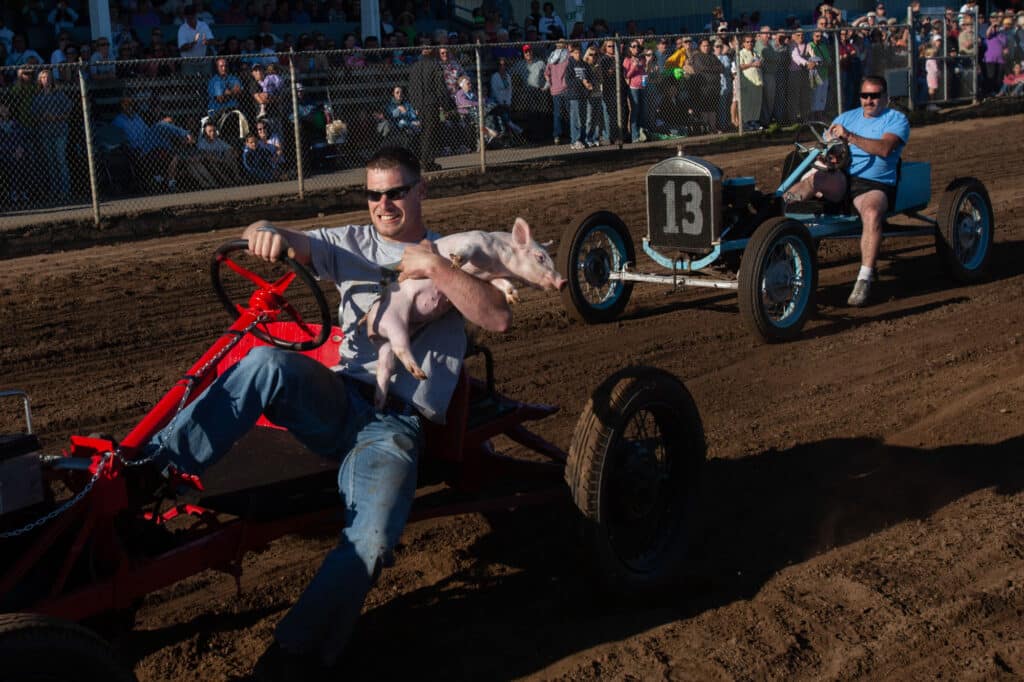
(945, 61)
(129, 136)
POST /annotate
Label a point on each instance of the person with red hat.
(531, 98)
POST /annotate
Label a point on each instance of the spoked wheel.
(587, 255)
(966, 229)
(778, 278)
(633, 471)
(35, 648)
(269, 297)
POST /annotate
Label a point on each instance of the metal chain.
(64, 507)
(191, 380)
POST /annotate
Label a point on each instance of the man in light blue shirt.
(876, 136)
(223, 89)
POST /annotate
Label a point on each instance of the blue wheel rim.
(785, 285)
(972, 231)
(601, 251)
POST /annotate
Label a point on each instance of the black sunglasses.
(870, 95)
(394, 194)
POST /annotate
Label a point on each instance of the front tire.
(633, 471)
(587, 254)
(778, 278)
(36, 648)
(966, 230)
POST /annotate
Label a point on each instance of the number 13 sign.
(691, 217)
(682, 210)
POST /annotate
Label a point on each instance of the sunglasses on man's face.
(871, 95)
(394, 194)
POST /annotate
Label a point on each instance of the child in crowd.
(1013, 82)
(257, 160)
(931, 70)
(271, 84)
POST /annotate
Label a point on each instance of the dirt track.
(863, 506)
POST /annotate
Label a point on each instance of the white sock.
(866, 273)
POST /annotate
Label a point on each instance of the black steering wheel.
(269, 297)
(835, 153)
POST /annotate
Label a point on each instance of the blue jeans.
(636, 112)
(575, 129)
(377, 451)
(597, 120)
(558, 106)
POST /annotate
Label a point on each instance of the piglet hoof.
(457, 261)
(415, 370)
(379, 400)
(512, 297)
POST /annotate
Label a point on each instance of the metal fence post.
(481, 144)
(839, 75)
(89, 151)
(618, 92)
(977, 59)
(945, 60)
(911, 61)
(738, 83)
(297, 126)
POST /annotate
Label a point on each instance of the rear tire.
(633, 471)
(778, 279)
(587, 254)
(36, 648)
(966, 229)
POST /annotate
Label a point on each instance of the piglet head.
(531, 262)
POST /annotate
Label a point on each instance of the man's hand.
(420, 261)
(837, 132)
(265, 241)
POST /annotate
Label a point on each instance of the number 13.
(692, 219)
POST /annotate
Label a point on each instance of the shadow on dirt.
(524, 603)
(524, 600)
(907, 273)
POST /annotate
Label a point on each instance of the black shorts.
(860, 186)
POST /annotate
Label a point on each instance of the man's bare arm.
(479, 302)
(882, 147)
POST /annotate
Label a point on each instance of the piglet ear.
(548, 243)
(521, 232)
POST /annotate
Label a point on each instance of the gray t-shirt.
(351, 257)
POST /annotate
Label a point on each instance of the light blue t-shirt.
(351, 257)
(869, 166)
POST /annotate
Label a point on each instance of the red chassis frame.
(119, 573)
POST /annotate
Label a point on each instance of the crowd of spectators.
(543, 81)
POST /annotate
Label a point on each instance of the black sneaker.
(145, 483)
(277, 664)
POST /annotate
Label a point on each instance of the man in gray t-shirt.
(331, 409)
